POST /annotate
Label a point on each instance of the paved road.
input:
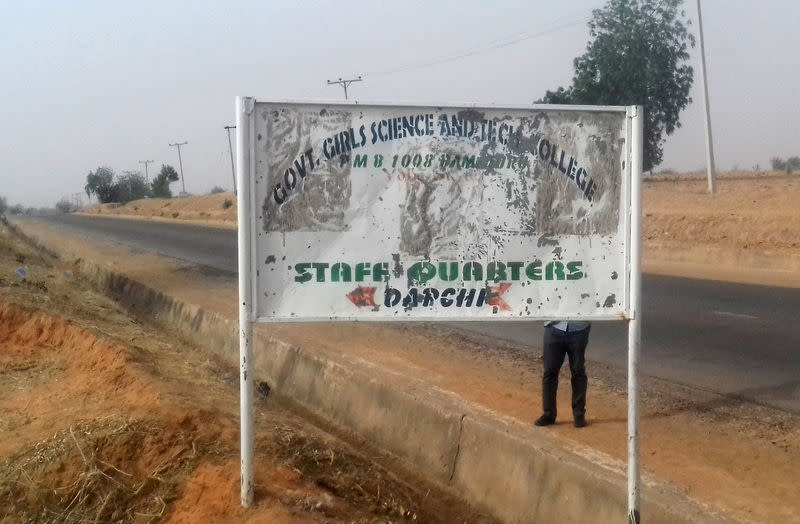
(736, 339)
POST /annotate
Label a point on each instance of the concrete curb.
(497, 464)
(421, 429)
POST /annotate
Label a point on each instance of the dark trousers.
(558, 343)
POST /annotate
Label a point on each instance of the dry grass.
(345, 475)
(107, 470)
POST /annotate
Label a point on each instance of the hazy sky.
(86, 84)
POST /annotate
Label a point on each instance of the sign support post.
(635, 318)
(244, 110)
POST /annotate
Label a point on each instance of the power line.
(656, 8)
(491, 46)
(497, 44)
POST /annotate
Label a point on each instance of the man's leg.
(576, 349)
(553, 351)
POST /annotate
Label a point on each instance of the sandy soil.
(749, 231)
(737, 457)
(212, 210)
(104, 417)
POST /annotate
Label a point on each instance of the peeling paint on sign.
(420, 212)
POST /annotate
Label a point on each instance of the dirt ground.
(749, 231)
(106, 417)
(217, 210)
(737, 457)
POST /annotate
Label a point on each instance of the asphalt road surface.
(736, 339)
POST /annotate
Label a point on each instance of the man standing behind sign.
(560, 339)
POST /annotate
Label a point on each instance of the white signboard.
(377, 212)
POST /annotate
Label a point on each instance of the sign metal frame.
(623, 205)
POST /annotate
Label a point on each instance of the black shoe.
(544, 420)
(580, 421)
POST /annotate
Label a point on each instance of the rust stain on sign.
(496, 300)
(362, 296)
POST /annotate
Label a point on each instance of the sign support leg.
(635, 321)
(246, 412)
(244, 108)
(634, 472)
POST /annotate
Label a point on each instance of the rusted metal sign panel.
(370, 212)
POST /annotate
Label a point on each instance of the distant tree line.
(19, 209)
(790, 164)
(107, 186)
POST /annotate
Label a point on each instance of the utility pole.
(130, 183)
(709, 139)
(146, 176)
(345, 83)
(180, 163)
(230, 149)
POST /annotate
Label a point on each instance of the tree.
(3, 205)
(17, 209)
(101, 183)
(637, 54)
(159, 187)
(216, 189)
(65, 206)
(790, 164)
(131, 186)
(559, 96)
(778, 164)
